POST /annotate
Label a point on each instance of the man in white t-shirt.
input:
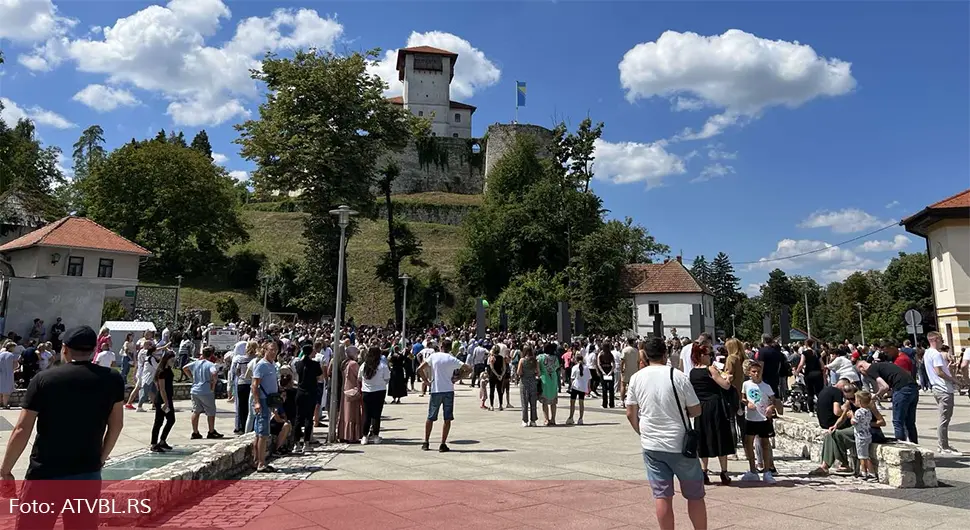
(105, 357)
(658, 403)
(942, 383)
(442, 367)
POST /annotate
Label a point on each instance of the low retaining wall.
(181, 392)
(171, 484)
(900, 465)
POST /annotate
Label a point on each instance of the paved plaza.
(501, 475)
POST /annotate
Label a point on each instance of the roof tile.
(76, 232)
(669, 277)
(960, 200)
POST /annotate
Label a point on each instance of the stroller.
(798, 397)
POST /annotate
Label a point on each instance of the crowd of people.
(691, 401)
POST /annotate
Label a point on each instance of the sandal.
(725, 479)
(266, 469)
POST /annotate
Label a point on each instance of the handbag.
(690, 435)
(273, 400)
(352, 394)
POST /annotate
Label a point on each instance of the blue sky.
(758, 129)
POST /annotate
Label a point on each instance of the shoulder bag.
(690, 435)
(352, 394)
(273, 400)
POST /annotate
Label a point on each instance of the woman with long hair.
(309, 373)
(605, 364)
(397, 388)
(714, 431)
(349, 426)
(164, 404)
(374, 376)
(549, 379)
(579, 377)
(127, 351)
(496, 377)
(528, 375)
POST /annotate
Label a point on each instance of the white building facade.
(427, 73)
(668, 289)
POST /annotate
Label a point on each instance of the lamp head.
(343, 213)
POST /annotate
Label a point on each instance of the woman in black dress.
(496, 377)
(164, 404)
(397, 387)
(713, 426)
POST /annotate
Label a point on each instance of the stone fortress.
(450, 160)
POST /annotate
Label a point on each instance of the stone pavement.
(500, 475)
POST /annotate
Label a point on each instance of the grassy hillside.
(279, 235)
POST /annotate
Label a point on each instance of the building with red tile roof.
(945, 225)
(427, 73)
(685, 304)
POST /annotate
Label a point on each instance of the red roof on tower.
(76, 232)
(430, 50)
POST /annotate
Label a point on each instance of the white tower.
(427, 73)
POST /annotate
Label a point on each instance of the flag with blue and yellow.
(520, 93)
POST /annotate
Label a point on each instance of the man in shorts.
(444, 370)
(205, 375)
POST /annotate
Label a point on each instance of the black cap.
(80, 338)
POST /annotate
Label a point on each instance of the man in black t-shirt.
(309, 373)
(829, 403)
(888, 376)
(771, 358)
(77, 408)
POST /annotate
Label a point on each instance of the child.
(761, 406)
(483, 388)
(862, 421)
(578, 388)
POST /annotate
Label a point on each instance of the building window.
(106, 268)
(454, 135)
(420, 113)
(75, 266)
(653, 308)
(457, 118)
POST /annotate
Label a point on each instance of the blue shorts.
(437, 400)
(662, 467)
(261, 420)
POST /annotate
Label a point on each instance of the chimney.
(666, 261)
(680, 259)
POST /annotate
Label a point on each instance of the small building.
(946, 227)
(427, 73)
(66, 269)
(670, 289)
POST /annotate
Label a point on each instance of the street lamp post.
(734, 329)
(343, 214)
(178, 299)
(404, 310)
(862, 330)
(808, 319)
(436, 308)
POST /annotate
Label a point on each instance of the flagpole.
(516, 120)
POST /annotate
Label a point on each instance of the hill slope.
(280, 235)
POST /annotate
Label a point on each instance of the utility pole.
(862, 330)
(404, 310)
(343, 214)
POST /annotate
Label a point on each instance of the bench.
(899, 465)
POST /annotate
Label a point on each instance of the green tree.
(332, 161)
(530, 300)
(726, 287)
(24, 161)
(201, 143)
(171, 200)
(227, 309)
(701, 270)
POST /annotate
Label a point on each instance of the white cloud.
(713, 171)
(163, 49)
(717, 152)
(31, 21)
(473, 70)
(12, 113)
(738, 72)
(893, 204)
(753, 289)
(240, 176)
(898, 243)
(844, 221)
(838, 274)
(789, 255)
(104, 99)
(219, 158)
(627, 162)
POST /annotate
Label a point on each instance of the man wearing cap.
(77, 408)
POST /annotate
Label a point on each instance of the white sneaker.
(750, 477)
(363, 441)
(769, 478)
(376, 440)
(298, 449)
(579, 421)
(525, 424)
(949, 452)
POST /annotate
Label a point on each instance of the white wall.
(462, 128)
(954, 238)
(36, 261)
(76, 301)
(675, 309)
(428, 94)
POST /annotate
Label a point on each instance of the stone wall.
(900, 465)
(501, 138)
(440, 163)
(181, 391)
(442, 214)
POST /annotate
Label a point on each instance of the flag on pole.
(520, 93)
